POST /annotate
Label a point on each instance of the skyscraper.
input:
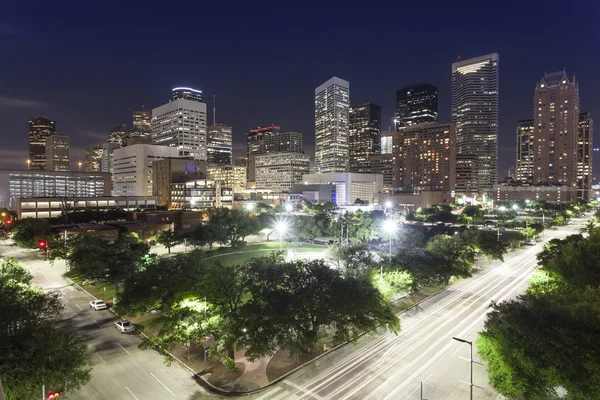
(424, 158)
(416, 104)
(332, 104)
(181, 123)
(118, 135)
(186, 93)
(364, 135)
(584, 154)
(475, 113)
(57, 153)
(93, 158)
(219, 144)
(556, 124)
(142, 119)
(525, 139)
(39, 129)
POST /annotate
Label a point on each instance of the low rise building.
(507, 192)
(171, 170)
(50, 207)
(348, 187)
(200, 194)
(280, 171)
(17, 183)
(182, 220)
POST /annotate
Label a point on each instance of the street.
(120, 369)
(377, 366)
(385, 366)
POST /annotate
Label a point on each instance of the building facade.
(167, 171)
(584, 155)
(57, 153)
(549, 193)
(219, 144)
(332, 106)
(200, 194)
(278, 172)
(24, 183)
(40, 128)
(50, 207)
(181, 124)
(466, 185)
(132, 172)
(142, 120)
(364, 135)
(556, 124)
(416, 104)
(346, 187)
(118, 135)
(93, 158)
(425, 158)
(525, 139)
(270, 140)
(233, 176)
(108, 149)
(185, 93)
(387, 142)
(475, 94)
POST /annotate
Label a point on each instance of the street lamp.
(79, 165)
(28, 164)
(502, 208)
(249, 207)
(389, 204)
(515, 207)
(281, 227)
(289, 207)
(390, 227)
(470, 362)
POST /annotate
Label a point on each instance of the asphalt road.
(120, 369)
(386, 366)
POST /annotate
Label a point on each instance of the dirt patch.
(219, 375)
(282, 363)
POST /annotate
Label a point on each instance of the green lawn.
(230, 256)
(97, 289)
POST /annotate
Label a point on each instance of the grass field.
(230, 256)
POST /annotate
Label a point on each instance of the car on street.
(98, 305)
(124, 326)
(531, 242)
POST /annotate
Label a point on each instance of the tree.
(529, 232)
(425, 267)
(236, 223)
(168, 239)
(92, 257)
(32, 349)
(589, 227)
(486, 243)
(458, 253)
(29, 231)
(353, 260)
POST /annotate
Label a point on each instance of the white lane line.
(264, 396)
(132, 395)
(98, 354)
(308, 392)
(79, 307)
(419, 387)
(124, 349)
(281, 396)
(97, 323)
(158, 380)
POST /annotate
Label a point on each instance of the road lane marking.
(97, 324)
(98, 354)
(132, 395)
(158, 380)
(307, 391)
(419, 387)
(264, 396)
(124, 349)
(79, 307)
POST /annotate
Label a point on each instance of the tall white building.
(280, 171)
(332, 105)
(132, 171)
(181, 123)
(475, 84)
(347, 187)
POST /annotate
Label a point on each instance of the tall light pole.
(28, 164)
(470, 363)
(79, 165)
(281, 228)
(390, 227)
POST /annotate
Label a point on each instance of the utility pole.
(470, 360)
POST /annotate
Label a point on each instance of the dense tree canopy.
(32, 349)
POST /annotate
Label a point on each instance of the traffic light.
(9, 222)
(53, 395)
(42, 244)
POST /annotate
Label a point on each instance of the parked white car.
(98, 305)
(124, 326)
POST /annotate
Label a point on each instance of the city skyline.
(261, 99)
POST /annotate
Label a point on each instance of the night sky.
(87, 65)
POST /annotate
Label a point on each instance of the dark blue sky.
(87, 65)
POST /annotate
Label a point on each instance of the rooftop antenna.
(214, 109)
